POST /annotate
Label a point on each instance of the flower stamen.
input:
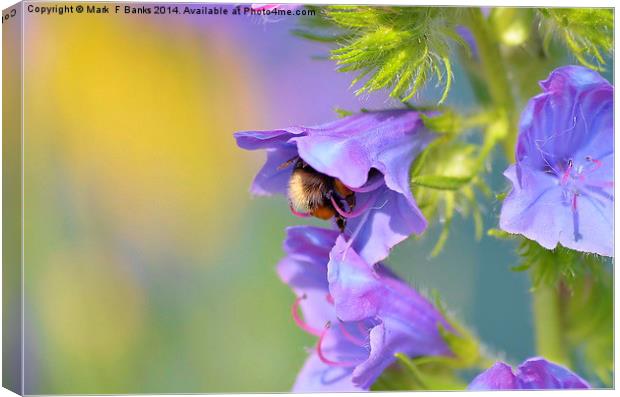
(567, 172)
(575, 202)
(299, 321)
(352, 214)
(369, 187)
(319, 351)
(350, 337)
(597, 164)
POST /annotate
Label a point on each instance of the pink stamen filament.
(299, 214)
(351, 338)
(575, 202)
(352, 214)
(319, 351)
(329, 298)
(597, 164)
(354, 235)
(369, 187)
(566, 174)
(299, 321)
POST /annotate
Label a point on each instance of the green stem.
(412, 368)
(550, 341)
(494, 71)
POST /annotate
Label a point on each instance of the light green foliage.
(512, 26)
(587, 32)
(397, 48)
(558, 265)
(441, 182)
(588, 319)
(430, 373)
(447, 122)
(446, 177)
(422, 373)
(444, 181)
(527, 57)
(584, 285)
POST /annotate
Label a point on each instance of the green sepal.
(587, 32)
(430, 374)
(440, 182)
(447, 122)
(557, 265)
(498, 233)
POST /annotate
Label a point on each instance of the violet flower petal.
(304, 269)
(562, 182)
(371, 313)
(498, 377)
(388, 222)
(538, 373)
(348, 149)
(272, 179)
(316, 376)
(408, 323)
(534, 373)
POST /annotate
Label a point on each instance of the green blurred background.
(148, 266)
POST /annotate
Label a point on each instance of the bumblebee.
(312, 193)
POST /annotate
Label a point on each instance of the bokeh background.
(148, 266)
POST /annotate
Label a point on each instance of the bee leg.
(287, 163)
(341, 222)
(331, 197)
(351, 201)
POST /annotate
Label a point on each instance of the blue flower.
(534, 373)
(354, 170)
(562, 182)
(361, 314)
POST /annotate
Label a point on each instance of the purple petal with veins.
(562, 182)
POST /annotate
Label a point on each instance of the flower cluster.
(354, 172)
(361, 314)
